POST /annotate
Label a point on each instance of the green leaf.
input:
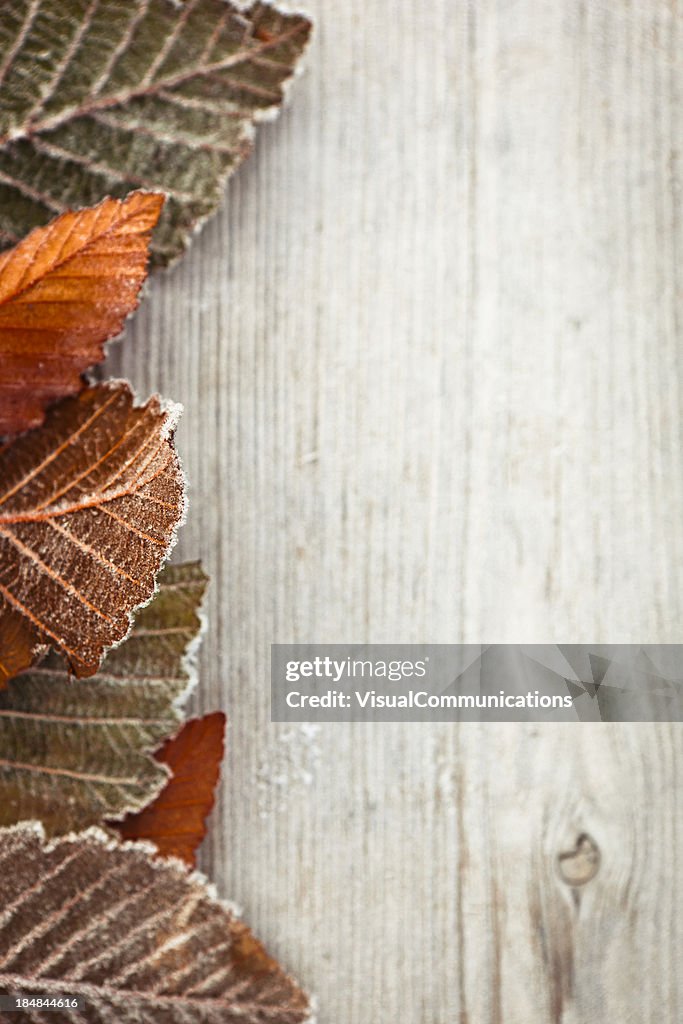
(76, 752)
(100, 97)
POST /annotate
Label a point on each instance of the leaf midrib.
(59, 511)
(125, 96)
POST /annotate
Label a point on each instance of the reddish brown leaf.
(176, 821)
(64, 290)
(89, 506)
(18, 641)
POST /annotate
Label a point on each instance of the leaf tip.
(144, 203)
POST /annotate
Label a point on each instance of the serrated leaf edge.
(176, 865)
(173, 411)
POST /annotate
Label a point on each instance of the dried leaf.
(64, 291)
(98, 98)
(18, 643)
(89, 506)
(74, 753)
(136, 938)
(175, 822)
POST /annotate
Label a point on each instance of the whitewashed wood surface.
(430, 358)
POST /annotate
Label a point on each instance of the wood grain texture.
(430, 358)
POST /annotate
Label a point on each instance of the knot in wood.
(580, 865)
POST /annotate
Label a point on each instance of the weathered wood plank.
(430, 357)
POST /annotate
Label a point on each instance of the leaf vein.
(55, 152)
(52, 574)
(72, 437)
(38, 197)
(24, 30)
(71, 50)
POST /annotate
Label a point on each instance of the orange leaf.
(176, 821)
(64, 290)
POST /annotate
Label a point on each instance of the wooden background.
(430, 358)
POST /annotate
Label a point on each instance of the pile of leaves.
(124, 120)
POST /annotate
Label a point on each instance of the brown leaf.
(135, 938)
(89, 506)
(64, 290)
(176, 821)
